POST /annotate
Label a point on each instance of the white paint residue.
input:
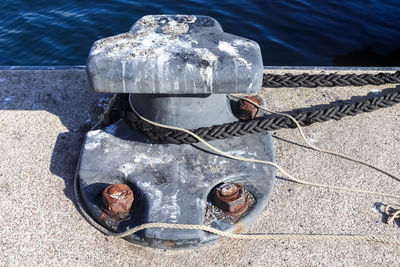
(227, 48)
(174, 27)
(154, 52)
(190, 67)
(139, 158)
(97, 135)
(250, 86)
(207, 77)
(176, 84)
(127, 169)
(244, 152)
(92, 145)
(123, 76)
(243, 62)
(92, 133)
(243, 42)
(144, 160)
(238, 152)
(236, 77)
(170, 208)
(207, 73)
(253, 154)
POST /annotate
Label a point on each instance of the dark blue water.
(290, 32)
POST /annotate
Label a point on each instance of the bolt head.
(117, 200)
(231, 198)
(228, 190)
(246, 110)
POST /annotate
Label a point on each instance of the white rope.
(266, 236)
(291, 177)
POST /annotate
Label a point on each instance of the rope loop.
(392, 212)
(257, 125)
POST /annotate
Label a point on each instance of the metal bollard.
(177, 70)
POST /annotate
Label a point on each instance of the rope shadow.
(343, 102)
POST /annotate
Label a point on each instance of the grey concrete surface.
(44, 115)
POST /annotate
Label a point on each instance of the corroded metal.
(246, 110)
(117, 200)
(231, 198)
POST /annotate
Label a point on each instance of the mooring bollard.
(177, 71)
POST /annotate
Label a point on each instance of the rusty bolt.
(246, 110)
(231, 198)
(117, 200)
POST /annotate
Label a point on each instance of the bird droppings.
(175, 54)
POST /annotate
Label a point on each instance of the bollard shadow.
(63, 92)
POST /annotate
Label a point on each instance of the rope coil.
(257, 125)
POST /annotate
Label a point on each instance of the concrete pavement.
(44, 115)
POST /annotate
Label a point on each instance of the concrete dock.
(45, 113)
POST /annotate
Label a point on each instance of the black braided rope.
(329, 80)
(257, 125)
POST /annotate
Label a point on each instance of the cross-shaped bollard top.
(177, 70)
(175, 54)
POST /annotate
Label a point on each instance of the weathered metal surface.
(172, 183)
(175, 54)
(186, 111)
(177, 69)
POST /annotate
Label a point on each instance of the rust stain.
(247, 111)
(117, 200)
(232, 199)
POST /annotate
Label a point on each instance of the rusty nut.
(246, 110)
(117, 200)
(231, 198)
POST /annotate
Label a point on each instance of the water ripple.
(290, 32)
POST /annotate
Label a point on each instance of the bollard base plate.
(172, 183)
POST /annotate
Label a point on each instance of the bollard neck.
(186, 111)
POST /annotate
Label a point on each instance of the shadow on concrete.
(379, 206)
(353, 99)
(64, 93)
